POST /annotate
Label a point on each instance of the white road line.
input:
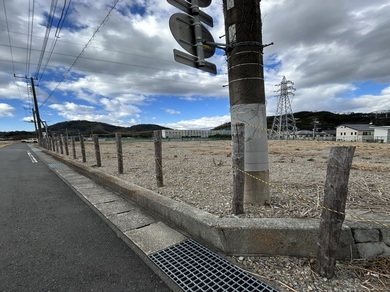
(33, 160)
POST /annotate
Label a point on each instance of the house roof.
(359, 127)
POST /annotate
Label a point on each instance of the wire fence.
(198, 172)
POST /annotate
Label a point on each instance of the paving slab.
(131, 220)
(114, 207)
(155, 237)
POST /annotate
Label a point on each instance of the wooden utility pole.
(333, 213)
(247, 95)
(36, 111)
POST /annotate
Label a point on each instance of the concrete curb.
(232, 236)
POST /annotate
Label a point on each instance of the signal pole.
(247, 95)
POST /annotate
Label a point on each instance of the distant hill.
(87, 128)
(328, 120)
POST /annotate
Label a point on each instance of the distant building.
(382, 134)
(179, 134)
(355, 132)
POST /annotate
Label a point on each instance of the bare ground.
(199, 173)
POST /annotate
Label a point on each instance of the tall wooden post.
(66, 145)
(82, 145)
(246, 89)
(333, 214)
(61, 144)
(74, 148)
(238, 167)
(119, 152)
(158, 157)
(97, 151)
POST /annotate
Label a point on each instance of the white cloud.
(172, 111)
(6, 110)
(201, 123)
(327, 48)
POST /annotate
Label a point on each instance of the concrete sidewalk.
(151, 238)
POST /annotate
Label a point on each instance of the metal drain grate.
(195, 268)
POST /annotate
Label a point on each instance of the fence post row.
(97, 150)
(238, 142)
(333, 213)
(118, 137)
(158, 157)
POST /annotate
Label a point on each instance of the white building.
(382, 134)
(355, 132)
(178, 134)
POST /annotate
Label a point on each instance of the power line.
(56, 36)
(49, 25)
(30, 30)
(82, 51)
(10, 48)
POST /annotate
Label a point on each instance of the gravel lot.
(199, 173)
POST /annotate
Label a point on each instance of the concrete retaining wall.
(237, 236)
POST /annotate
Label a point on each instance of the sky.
(112, 61)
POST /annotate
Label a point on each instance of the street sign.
(181, 26)
(187, 8)
(192, 61)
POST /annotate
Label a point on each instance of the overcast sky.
(337, 52)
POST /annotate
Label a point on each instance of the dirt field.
(199, 173)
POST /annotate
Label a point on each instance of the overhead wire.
(82, 51)
(10, 48)
(49, 25)
(61, 22)
(127, 75)
(30, 31)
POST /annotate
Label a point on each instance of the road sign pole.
(198, 33)
(192, 35)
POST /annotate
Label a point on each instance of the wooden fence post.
(118, 137)
(57, 147)
(97, 151)
(53, 141)
(82, 145)
(333, 213)
(61, 145)
(74, 148)
(66, 145)
(238, 167)
(158, 157)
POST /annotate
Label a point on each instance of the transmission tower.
(284, 125)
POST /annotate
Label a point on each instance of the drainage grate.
(195, 268)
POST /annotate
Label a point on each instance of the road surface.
(50, 240)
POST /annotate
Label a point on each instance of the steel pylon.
(284, 125)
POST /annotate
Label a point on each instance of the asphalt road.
(51, 241)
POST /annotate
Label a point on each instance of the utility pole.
(247, 95)
(36, 111)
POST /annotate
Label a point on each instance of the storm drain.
(195, 268)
